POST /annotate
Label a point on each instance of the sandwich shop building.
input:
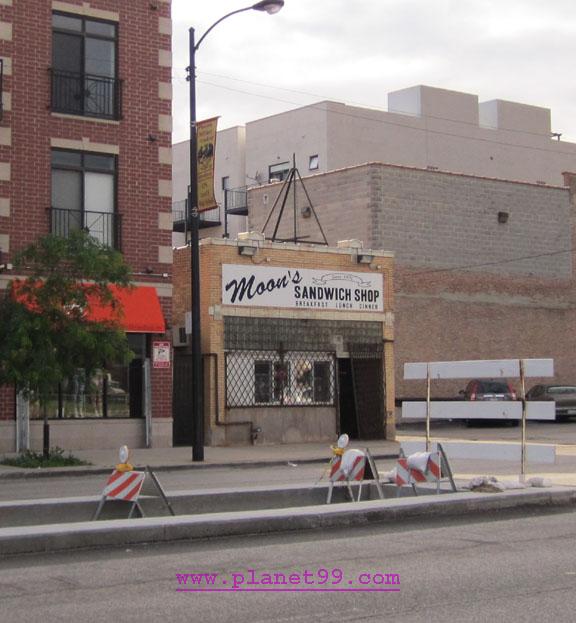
(297, 342)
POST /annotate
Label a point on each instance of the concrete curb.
(121, 533)
(73, 472)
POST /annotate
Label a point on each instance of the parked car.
(563, 395)
(489, 389)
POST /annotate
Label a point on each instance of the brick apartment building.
(85, 141)
(484, 267)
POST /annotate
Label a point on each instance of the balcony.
(235, 201)
(103, 226)
(86, 95)
(209, 218)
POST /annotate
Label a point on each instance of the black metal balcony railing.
(104, 226)
(236, 201)
(209, 218)
(86, 95)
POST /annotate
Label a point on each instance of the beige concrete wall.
(284, 425)
(275, 139)
(76, 434)
(424, 127)
(7, 436)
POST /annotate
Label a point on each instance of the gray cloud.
(358, 50)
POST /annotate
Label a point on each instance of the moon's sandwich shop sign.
(301, 288)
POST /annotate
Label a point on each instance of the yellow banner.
(206, 154)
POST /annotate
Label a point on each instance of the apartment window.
(84, 67)
(84, 195)
(313, 163)
(278, 172)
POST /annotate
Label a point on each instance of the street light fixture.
(270, 7)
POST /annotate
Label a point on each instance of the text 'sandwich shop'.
(297, 342)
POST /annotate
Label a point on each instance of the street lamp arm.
(248, 8)
(269, 6)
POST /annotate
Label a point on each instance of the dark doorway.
(136, 387)
(367, 366)
(182, 427)
(346, 403)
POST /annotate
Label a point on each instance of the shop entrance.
(362, 392)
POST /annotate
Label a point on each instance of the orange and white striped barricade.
(418, 468)
(123, 486)
(426, 469)
(348, 468)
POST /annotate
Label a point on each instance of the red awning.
(138, 311)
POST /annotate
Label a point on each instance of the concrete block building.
(85, 141)
(425, 127)
(484, 267)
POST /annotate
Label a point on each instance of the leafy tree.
(46, 332)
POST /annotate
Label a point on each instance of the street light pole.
(270, 7)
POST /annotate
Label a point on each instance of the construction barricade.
(126, 486)
(423, 467)
(123, 487)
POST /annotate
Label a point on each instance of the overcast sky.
(356, 51)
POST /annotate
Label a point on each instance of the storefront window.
(259, 378)
(113, 393)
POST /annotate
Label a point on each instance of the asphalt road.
(498, 568)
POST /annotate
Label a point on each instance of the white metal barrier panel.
(480, 409)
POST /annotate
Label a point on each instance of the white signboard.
(480, 369)
(301, 288)
(479, 409)
(487, 451)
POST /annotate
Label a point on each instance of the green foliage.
(55, 458)
(44, 333)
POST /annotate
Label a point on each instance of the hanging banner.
(267, 286)
(206, 154)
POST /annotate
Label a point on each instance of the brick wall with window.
(90, 144)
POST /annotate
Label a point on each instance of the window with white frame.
(313, 163)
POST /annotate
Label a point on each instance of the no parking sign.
(160, 354)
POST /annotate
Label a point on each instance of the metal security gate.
(368, 383)
(182, 428)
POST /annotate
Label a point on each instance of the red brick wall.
(33, 126)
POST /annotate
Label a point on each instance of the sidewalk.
(102, 461)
